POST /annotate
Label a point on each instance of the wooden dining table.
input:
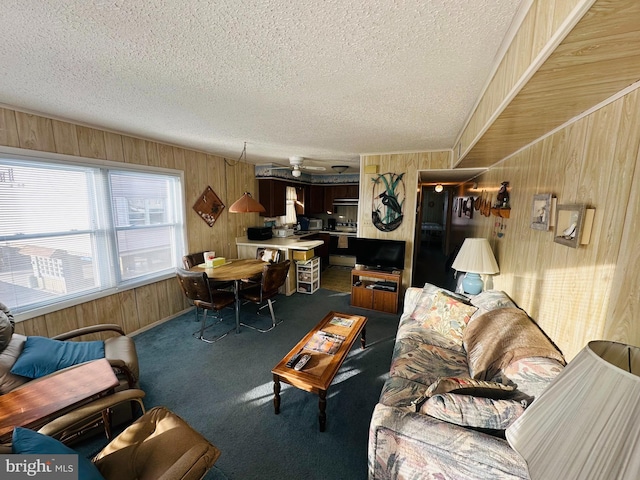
(235, 270)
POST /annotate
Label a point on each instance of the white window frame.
(120, 285)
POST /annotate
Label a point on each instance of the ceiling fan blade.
(304, 167)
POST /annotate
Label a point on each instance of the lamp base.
(472, 283)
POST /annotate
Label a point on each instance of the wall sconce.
(439, 188)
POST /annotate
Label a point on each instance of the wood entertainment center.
(376, 289)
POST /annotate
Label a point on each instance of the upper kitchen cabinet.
(273, 197)
(316, 200)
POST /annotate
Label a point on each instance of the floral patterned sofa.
(463, 369)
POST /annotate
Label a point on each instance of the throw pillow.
(475, 412)
(448, 316)
(29, 442)
(42, 356)
(470, 386)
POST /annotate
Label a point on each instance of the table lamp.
(586, 424)
(475, 257)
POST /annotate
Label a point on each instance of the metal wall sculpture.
(388, 201)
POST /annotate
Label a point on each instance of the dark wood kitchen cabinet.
(316, 199)
(273, 194)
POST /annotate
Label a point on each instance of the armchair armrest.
(84, 413)
(104, 327)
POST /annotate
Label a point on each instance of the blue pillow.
(42, 356)
(29, 442)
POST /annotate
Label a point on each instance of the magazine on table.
(324, 342)
(341, 321)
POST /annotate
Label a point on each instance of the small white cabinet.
(308, 275)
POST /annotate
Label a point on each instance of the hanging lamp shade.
(246, 204)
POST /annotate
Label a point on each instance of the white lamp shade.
(586, 424)
(475, 256)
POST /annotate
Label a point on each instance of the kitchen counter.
(288, 243)
(247, 249)
(330, 232)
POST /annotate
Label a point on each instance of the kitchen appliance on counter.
(315, 224)
(331, 224)
(283, 232)
(259, 233)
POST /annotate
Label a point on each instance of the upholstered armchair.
(119, 350)
(157, 446)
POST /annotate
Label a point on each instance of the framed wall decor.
(569, 220)
(541, 211)
(209, 206)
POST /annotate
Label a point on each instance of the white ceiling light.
(340, 168)
(296, 173)
(439, 188)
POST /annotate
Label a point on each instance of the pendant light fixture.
(246, 203)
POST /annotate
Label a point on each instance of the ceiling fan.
(297, 166)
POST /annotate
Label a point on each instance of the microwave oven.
(315, 224)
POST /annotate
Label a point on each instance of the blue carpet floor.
(225, 391)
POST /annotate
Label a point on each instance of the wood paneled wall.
(541, 22)
(409, 164)
(139, 307)
(592, 292)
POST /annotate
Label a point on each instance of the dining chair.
(273, 277)
(266, 254)
(192, 259)
(197, 288)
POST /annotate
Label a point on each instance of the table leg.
(236, 289)
(363, 337)
(322, 407)
(276, 393)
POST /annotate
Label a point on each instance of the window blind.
(72, 230)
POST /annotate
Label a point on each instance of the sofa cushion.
(29, 442)
(42, 356)
(8, 357)
(424, 363)
(447, 316)
(470, 386)
(490, 300)
(476, 412)
(499, 337)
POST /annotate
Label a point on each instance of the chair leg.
(274, 323)
(204, 326)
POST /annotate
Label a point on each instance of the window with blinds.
(69, 230)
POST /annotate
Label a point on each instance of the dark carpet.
(225, 390)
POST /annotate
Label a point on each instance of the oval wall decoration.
(388, 201)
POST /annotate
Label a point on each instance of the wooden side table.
(40, 401)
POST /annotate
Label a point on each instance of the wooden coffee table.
(319, 372)
(40, 401)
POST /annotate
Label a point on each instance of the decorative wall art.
(541, 212)
(388, 201)
(467, 207)
(209, 206)
(569, 219)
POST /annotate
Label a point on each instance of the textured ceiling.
(327, 80)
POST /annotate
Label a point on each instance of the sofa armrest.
(104, 327)
(404, 444)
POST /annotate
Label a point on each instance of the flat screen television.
(379, 254)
